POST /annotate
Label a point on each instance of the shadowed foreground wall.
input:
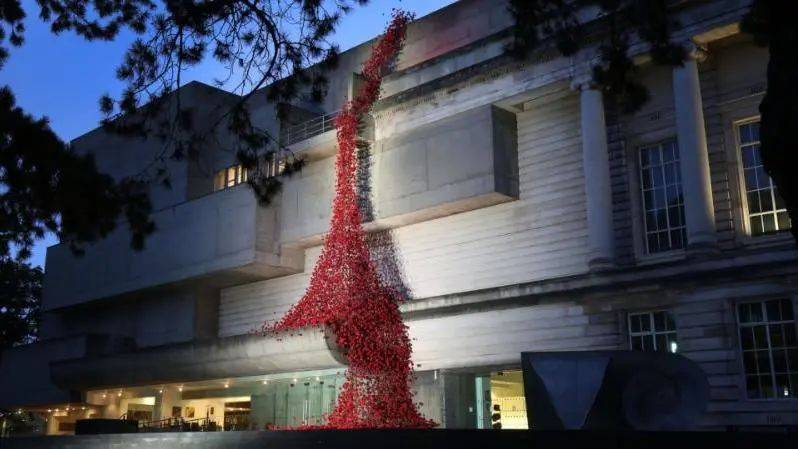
(416, 439)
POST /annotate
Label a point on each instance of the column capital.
(584, 82)
(695, 52)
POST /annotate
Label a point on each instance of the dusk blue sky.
(62, 77)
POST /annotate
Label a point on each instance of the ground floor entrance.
(476, 399)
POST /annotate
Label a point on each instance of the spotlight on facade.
(226, 385)
(119, 394)
(180, 388)
(265, 382)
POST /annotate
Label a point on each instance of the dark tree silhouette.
(47, 187)
(20, 295)
(283, 44)
(541, 22)
(772, 22)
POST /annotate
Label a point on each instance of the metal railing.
(179, 425)
(306, 130)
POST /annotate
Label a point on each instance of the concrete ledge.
(244, 355)
(222, 239)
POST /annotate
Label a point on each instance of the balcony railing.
(308, 129)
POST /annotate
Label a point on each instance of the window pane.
(645, 323)
(659, 321)
(677, 240)
(762, 196)
(749, 362)
(783, 221)
(231, 177)
(763, 361)
(218, 180)
(768, 223)
(648, 343)
(653, 243)
(662, 196)
(760, 337)
(783, 385)
(662, 343)
(790, 338)
(765, 200)
(786, 309)
(776, 335)
(769, 353)
(752, 385)
(744, 312)
(766, 383)
(745, 133)
(747, 338)
(756, 225)
(749, 157)
(634, 321)
(780, 361)
(646, 178)
(753, 203)
(773, 309)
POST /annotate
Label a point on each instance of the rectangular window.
(663, 204)
(767, 213)
(652, 331)
(769, 348)
(229, 177)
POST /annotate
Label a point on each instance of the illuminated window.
(663, 204)
(767, 213)
(769, 348)
(652, 331)
(229, 177)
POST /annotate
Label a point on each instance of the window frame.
(240, 176)
(759, 299)
(743, 187)
(650, 313)
(643, 252)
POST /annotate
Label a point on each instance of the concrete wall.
(224, 233)
(539, 236)
(123, 156)
(25, 372)
(167, 317)
(463, 162)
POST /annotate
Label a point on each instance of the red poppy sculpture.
(345, 293)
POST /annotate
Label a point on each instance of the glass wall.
(501, 403)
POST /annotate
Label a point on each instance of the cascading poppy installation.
(345, 293)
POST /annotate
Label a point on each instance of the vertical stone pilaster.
(598, 191)
(694, 156)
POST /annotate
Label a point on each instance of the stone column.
(595, 160)
(693, 155)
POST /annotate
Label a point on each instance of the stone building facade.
(521, 212)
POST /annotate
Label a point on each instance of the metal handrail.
(180, 425)
(306, 130)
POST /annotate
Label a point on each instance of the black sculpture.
(613, 390)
